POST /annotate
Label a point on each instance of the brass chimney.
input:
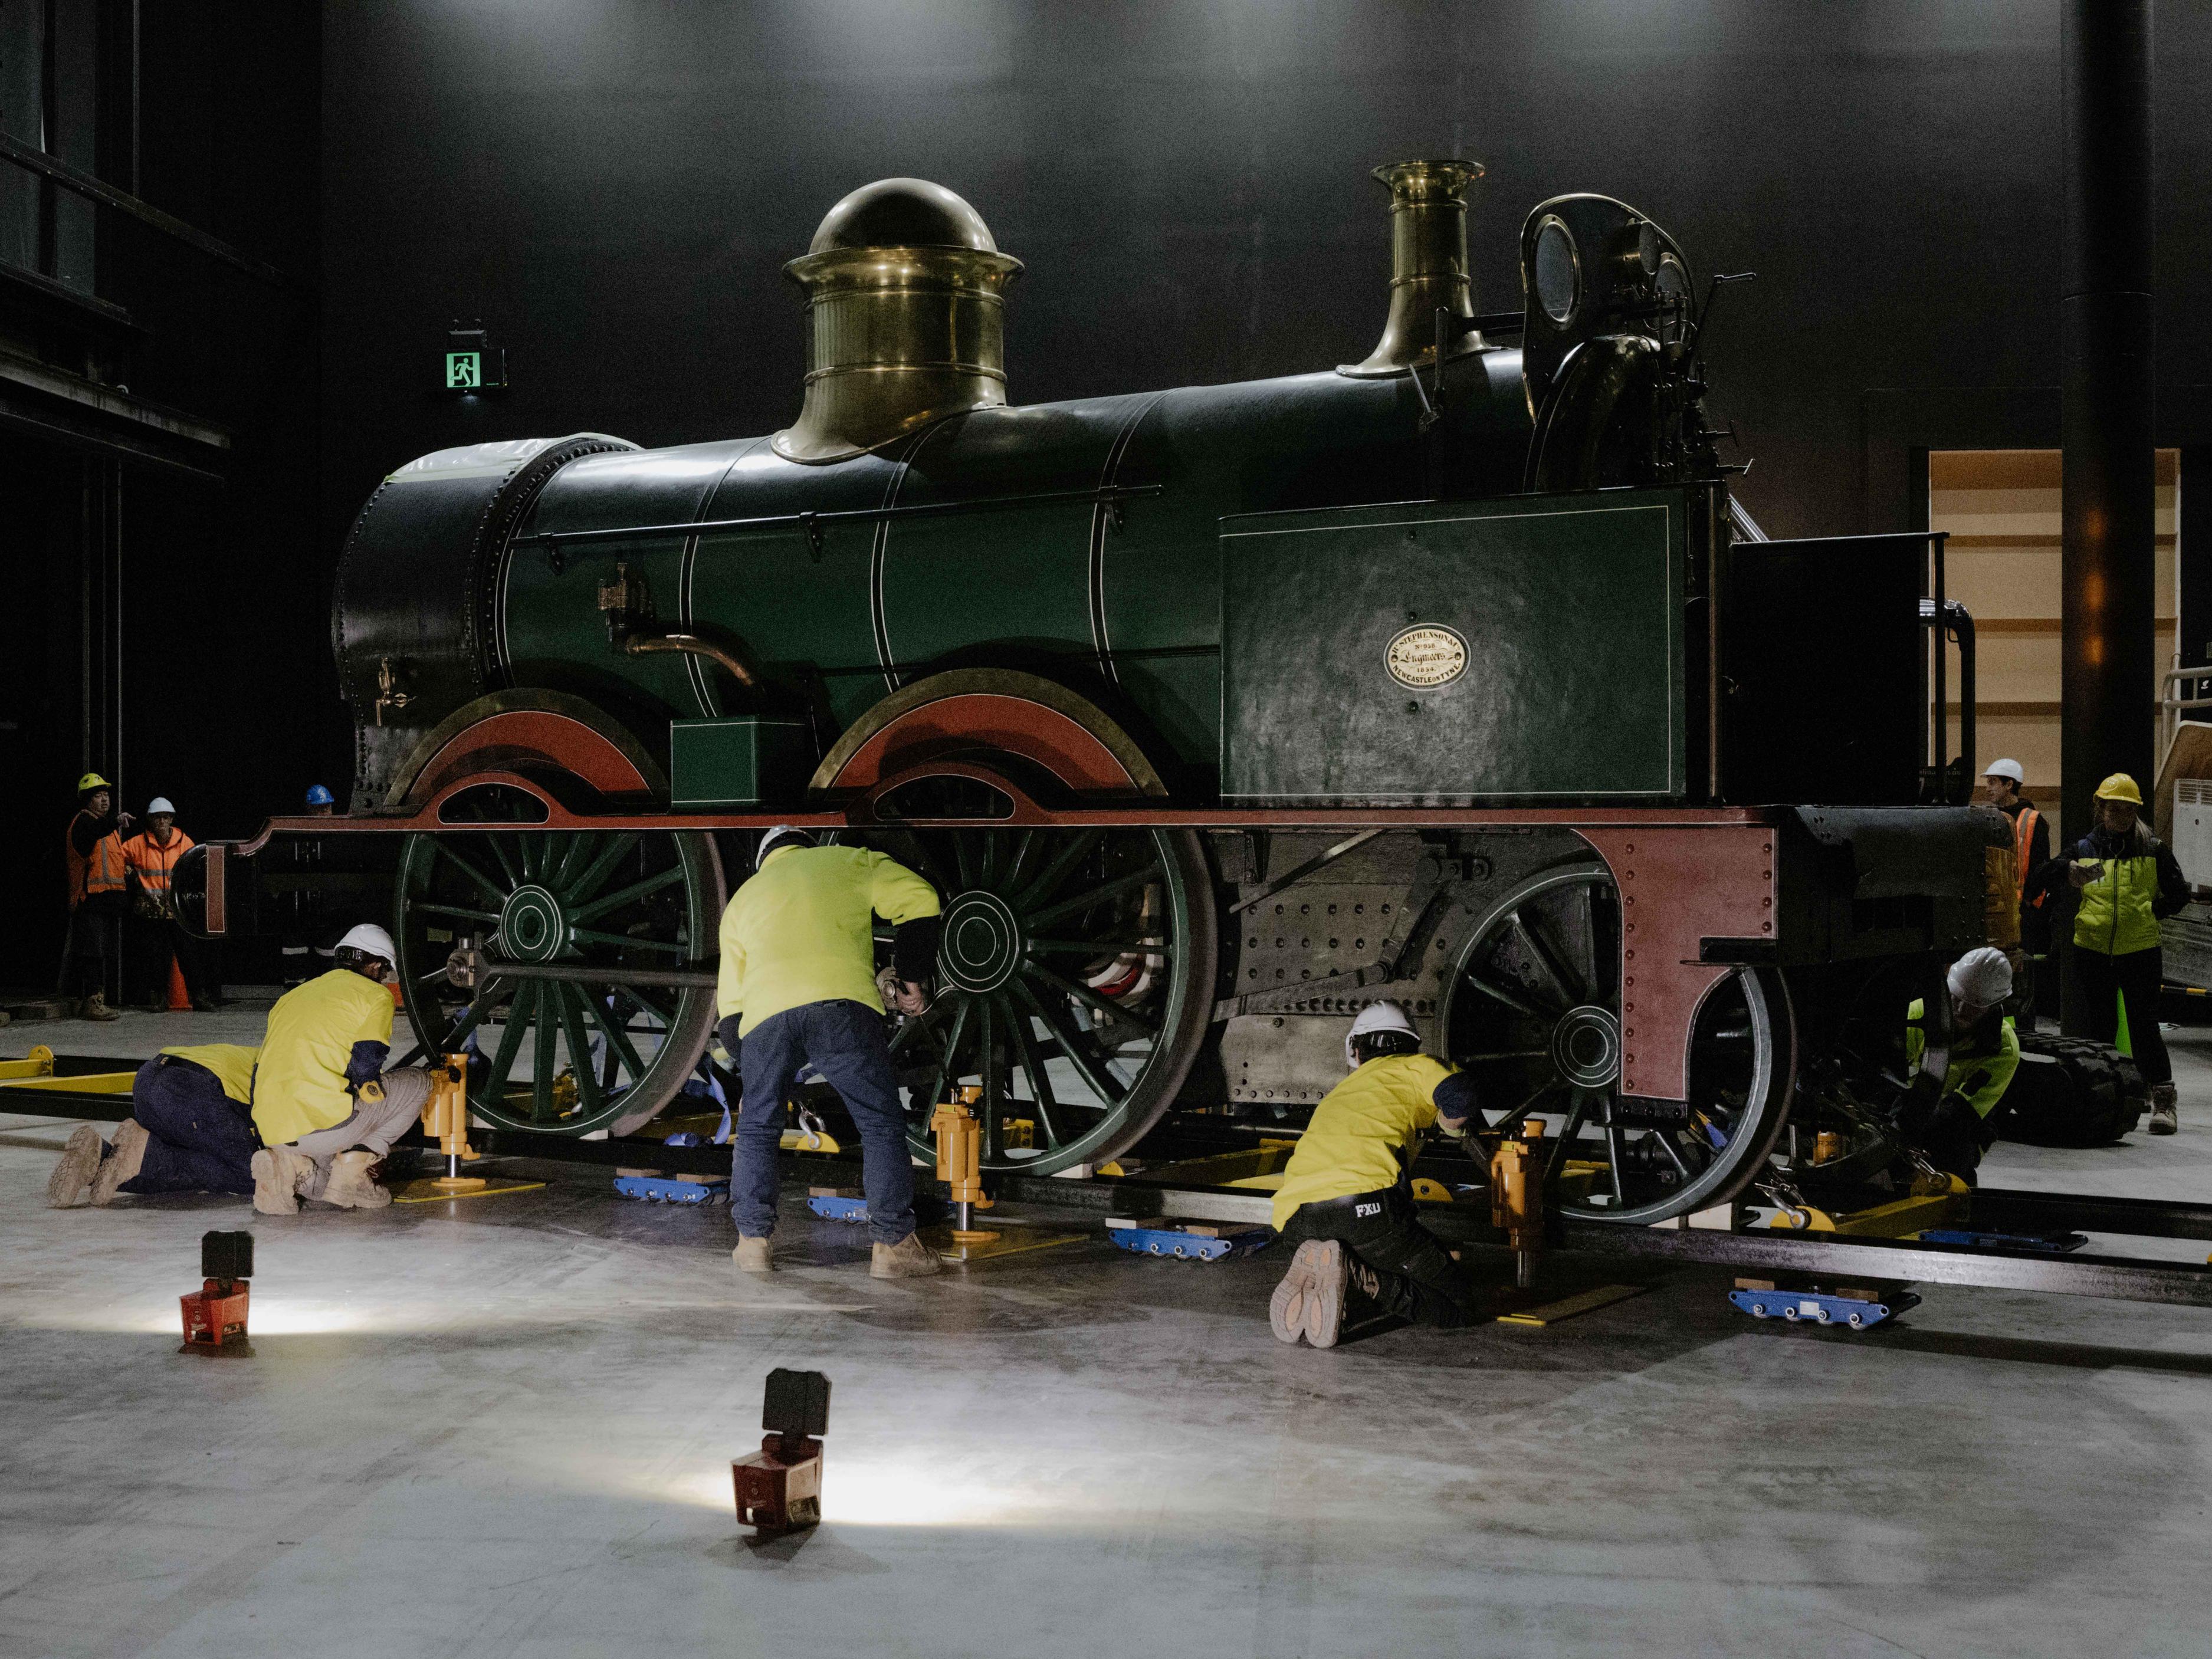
(905, 309)
(1428, 266)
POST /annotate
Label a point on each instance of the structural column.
(2108, 565)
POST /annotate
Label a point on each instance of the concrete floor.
(503, 1427)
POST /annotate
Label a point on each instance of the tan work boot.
(126, 1155)
(280, 1175)
(1325, 1300)
(72, 1177)
(1286, 1309)
(908, 1258)
(2165, 1117)
(352, 1183)
(95, 1007)
(753, 1256)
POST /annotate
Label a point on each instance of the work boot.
(72, 1177)
(280, 1175)
(2165, 1118)
(124, 1160)
(908, 1258)
(352, 1183)
(95, 1007)
(753, 1256)
(1286, 1309)
(1325, 1297)
(204, 1005)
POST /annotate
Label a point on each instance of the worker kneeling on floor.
(1985, 1054)
(796, 989)
(1347, 1197)
(326, 1109)
(308, 1114)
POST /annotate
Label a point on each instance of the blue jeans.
(845, 1043)
(200, 1140)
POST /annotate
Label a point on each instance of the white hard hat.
(1376, 1016)
(1982, 977)
(159, 804)
(370, 940)
(783, 832)
(2005, 768)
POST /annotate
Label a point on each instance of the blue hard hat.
(318, 796)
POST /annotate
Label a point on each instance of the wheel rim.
(568, 1055)
(1074, 972)
(1534, 1012)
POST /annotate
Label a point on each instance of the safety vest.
(151, 862)
(99, 871)
(800, 932)
(1978, 1073)
(2023, 843)
(2115, 918)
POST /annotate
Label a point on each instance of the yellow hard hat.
(92, 781)
(2120, 786)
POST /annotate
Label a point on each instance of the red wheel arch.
(547, 732)
(980, 712)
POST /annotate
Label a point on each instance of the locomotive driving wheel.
(1533, 1011)
(1074, 982)
(584, 1049)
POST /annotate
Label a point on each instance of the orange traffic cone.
(180, 999)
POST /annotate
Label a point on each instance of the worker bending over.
(308, 1115)
(2129, 883)
(1347, 1192)
(191, 1130)
(798, 987)
(1985, 1054)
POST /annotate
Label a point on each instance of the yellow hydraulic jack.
(1517, 1198)
(446, 1118)
(959, 1162)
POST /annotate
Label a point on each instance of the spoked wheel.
(1534, 1012)
(584, 1051)
(1074, 984)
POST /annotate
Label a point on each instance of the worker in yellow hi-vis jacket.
(798, 987)
(1346, 1196)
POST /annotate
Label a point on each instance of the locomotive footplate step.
(1856, 1307)
(1196, 1241)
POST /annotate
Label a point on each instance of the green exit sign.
(471, 364)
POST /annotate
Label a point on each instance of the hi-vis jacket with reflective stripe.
(800, 931)
(2139, 885)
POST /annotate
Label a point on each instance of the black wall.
(204, 673)
(613, 186)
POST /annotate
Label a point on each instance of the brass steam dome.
(905, 308)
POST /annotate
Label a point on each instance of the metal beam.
(34, 160)
(2106, 396)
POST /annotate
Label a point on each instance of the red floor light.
(215, 1315)
(778, 1487)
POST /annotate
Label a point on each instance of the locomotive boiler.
(1215, 714)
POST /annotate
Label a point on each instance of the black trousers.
(153, 943)
(1419, 1279)
(2133, 974)
(95, 934)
